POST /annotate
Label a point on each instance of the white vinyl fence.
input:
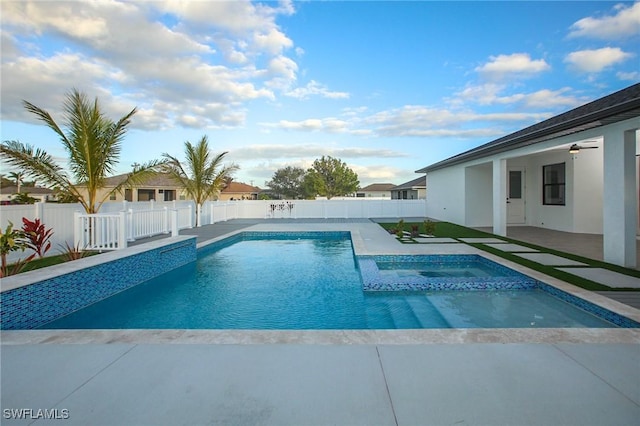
(355, 208)
(74, 228)
(120, 222)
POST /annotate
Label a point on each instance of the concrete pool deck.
(369, 377)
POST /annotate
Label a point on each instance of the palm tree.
(202, 175)
(18, 178)
(93, 142)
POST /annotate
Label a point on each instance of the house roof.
(618, 106)
(378, 187)
(12, 189)
(420, 182)
(241, 188)
(159, 179)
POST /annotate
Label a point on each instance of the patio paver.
(482, 240)
(497, 384)
(605, 277)
(550, 259)
(512, 247)
(435, 240)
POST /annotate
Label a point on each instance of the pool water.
(310, 283)
(435, 270)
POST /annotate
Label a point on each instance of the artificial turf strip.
(48, 261)
(447, 229)
(43, 263)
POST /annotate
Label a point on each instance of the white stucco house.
(575, 172)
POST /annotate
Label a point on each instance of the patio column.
(500, 197)
(619, 198)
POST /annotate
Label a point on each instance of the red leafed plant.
(37, 236)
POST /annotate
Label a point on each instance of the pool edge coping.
(324, 337)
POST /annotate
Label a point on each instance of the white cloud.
(631, 76)
(625, 23)
(214, 53)
(514, 65)
(596, 60)
(494, 94)
(31, 78)
(415, 121)
(314, 88)
(308, 152)
(379, 173)
(330, 125)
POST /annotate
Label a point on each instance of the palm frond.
(38, 164)
(201, 175)
(93, 142)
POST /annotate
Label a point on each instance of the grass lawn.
(446, 229)
(48, 261)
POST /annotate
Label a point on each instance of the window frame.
(561, 185)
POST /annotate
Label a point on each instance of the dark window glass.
(553, 185)
(515, 184)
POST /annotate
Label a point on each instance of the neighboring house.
(239, 191)
(7, 193)
(537, 177)
(160, 187)
(413, 190)
(377, 190)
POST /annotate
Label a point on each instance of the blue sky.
(388, 87)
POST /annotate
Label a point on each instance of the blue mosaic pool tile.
(504, 279)
(34, 305)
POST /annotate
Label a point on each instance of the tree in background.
(330, 177)
(202, 174)
(288, 182)
(93, 142)
(17, 178)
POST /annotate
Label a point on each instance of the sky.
(388, 87)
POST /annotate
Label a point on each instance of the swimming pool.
(314, 281)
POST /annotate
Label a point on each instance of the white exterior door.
(515, 196)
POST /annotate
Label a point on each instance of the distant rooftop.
(12, 189)
(241, 187)
(420, 182)
(157, 180)
(378, 187)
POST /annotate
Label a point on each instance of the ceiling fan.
(575, 148)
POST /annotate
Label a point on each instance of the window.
(112, 197)
(169, 194)
(553, 185)
(146, 194)
(515, 184)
